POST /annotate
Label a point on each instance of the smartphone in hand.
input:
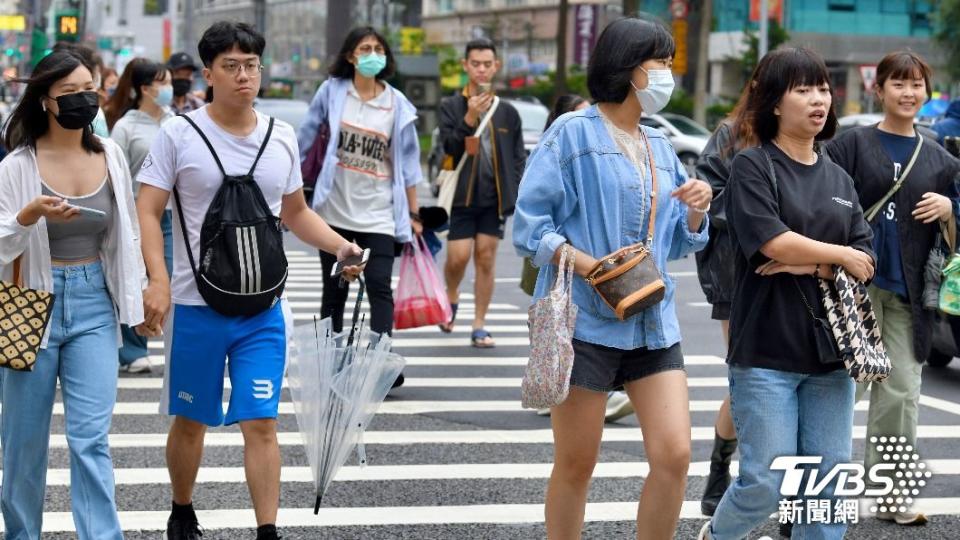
(355, 260)
(90, 213)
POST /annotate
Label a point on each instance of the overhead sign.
(868, 72)
(680, 38)
(14, 23)
(774, 10)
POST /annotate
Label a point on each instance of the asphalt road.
(451, 454)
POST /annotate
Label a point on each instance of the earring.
(43, 105)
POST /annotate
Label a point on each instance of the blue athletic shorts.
(202, 344)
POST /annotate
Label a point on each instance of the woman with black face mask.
(68, 224)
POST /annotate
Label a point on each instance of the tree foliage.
(947, 34)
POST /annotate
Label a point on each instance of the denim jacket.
(327, 106)
(580, 189)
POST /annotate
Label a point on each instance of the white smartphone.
(356, 260)
(91, 213)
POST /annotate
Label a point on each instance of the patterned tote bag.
(24, 315)
(855, 327)
(546, 381)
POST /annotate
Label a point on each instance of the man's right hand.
(858, 264)
(48, 207)
(477, 106)
(156, 303)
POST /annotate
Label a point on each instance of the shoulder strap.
(875, 209)
(263, 147)
(480, 127)
(206, 140)
(17, 276)
(186, 238)
(653, 190)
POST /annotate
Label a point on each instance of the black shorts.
(604, 369)
(468, 222)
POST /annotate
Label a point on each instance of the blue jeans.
(82, 353)
(135, 345)
(778, 413)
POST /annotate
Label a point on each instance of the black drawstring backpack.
(243, 268)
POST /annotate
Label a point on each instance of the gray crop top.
(80, 238)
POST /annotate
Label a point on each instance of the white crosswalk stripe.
(448, 384)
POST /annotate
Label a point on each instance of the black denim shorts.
(604, 369)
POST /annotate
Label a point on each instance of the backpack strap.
(207, 141)
(186, 237)
(262, 147)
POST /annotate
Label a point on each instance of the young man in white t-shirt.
(198, 339)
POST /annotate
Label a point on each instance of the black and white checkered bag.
(855, 327)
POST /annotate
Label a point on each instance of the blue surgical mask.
(370, 65)
(164, 96)
(656, 95)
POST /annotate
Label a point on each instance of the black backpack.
(243, 268)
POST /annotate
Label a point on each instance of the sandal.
(447, 327)
(482, 339)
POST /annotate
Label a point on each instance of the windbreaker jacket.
(715, 263)
(860, 153)
(120, 253)
(580, 189)
(327, 106)
(509, 155)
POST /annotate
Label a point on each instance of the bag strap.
(949, 231)
(207, 141)
(17, 276)
(875, 209)
(186, 238)
(477, 133)
(263, 146)
(651, 226)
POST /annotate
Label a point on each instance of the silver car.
(688, 137)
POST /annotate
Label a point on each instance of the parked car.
(688, 137)
(533, 118)
(851, 121)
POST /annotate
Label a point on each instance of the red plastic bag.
(421, 298)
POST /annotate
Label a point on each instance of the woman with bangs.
(905, 225)
(793, 216)
(589, 185)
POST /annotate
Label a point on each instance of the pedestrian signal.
(68, 27)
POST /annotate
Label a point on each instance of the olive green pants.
(894, 403)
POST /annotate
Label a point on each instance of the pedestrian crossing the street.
(451, 453)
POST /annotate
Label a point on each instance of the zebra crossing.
(451, 453)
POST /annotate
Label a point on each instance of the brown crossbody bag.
(628, 279)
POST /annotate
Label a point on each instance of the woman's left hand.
(416, 226)
(774, 267)
(933, 207)
(695, 193)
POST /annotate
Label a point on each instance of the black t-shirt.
(769, 325)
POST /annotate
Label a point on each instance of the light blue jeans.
(82, 354)
(778, 413)
(135, 345)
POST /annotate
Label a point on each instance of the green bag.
(950, 287)
(528, 277)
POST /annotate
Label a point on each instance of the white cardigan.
(120, 254)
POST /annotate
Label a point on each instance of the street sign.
(67, 26)
(14, 23)
(679, 9)
(680, 38)
(868, 72)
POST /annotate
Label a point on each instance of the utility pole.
(764, 30)
(631, 8)
(560, 85)
(189, 41)
(702, 71)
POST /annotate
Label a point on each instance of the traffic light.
(67, 26)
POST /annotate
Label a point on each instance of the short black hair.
(480, 44)
(342, 68)
(623, 45)
(224, 35)
(91, 60)
(777, 73)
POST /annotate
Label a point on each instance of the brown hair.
(138, 73)
(740, 124)
(903, 65)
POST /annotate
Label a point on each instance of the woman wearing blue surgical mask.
(597, 182)
(366, 188)
(135, 111)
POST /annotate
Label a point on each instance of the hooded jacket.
(860, 153)
(950, 125)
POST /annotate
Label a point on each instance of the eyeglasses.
(252, 67)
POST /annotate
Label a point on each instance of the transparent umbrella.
(336, 382)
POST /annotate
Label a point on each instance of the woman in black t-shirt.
(905, 227)
(792, 217)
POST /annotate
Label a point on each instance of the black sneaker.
(183, 529)
(398, 382)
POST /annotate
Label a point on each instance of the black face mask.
(181, 87)
(77, 110)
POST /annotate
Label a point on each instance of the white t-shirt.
(361, 198)
(179, 157)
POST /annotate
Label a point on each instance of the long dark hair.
(740, 122)
(777, 73)
(138, 73)
(562, 106)
(343, 69)
(29, 121)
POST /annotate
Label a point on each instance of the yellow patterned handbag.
(24, 315)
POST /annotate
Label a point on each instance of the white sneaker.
(140, 365)
(704, 531)
(907, 519)
(543, 412)
(618, 406)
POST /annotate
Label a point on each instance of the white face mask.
(656, 95)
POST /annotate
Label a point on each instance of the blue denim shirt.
(579, 188)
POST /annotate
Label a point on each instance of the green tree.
(947, 34)
(776, 35)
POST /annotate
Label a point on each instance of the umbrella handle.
(356, 310)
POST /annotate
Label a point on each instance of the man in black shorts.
(488, 183)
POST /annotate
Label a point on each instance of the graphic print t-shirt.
(362, 195)
(886, 238)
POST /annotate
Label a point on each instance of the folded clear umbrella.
(336, 382)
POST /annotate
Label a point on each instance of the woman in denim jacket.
(589, 184)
